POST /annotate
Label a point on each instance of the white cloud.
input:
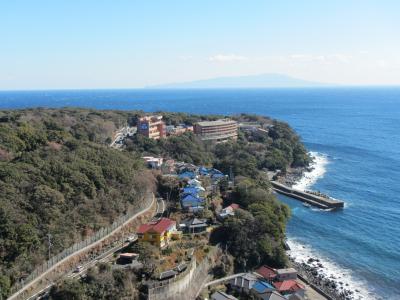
(324, 59)
(227, 58)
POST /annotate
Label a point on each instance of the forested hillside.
(58, 177)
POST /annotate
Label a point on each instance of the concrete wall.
(189, 285)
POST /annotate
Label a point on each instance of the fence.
(148, 199)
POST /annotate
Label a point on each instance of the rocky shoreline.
(311, 271)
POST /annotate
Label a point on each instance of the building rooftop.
(262, 286)
(217, 122)
(128, 255)
(272, 295)
(167, 274)
(195, 222)
(189, 198)
(158, 226)
(191, 190)
(288, 286)
(266, 272)
(286, 271)
(181, 267)
(220, 295)
(234, 206)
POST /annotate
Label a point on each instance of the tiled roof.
(288, 286)
(158, 226)
(267, 272)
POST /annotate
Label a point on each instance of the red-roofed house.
(268, 273)
(234, 206)
(289, 287)
(157, 233)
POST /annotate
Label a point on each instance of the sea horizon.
(354, 128)
(90, 89)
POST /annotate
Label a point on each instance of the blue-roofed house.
(192, 190)
(203, 171)
(192, 203)
(261, 287)
(187, 174)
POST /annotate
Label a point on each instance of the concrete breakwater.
(314, 200)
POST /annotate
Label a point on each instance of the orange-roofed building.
(157, 233)
(289, 287)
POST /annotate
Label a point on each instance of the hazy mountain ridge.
(250, 81)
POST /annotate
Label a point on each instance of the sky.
(75, 44)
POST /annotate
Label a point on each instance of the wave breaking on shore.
(321, 268)
(325, 269)
(316, 171)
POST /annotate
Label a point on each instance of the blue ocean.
(354, 133)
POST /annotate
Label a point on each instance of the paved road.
(40, 277)
(223, 279)
(310, 293)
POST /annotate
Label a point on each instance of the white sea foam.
(318, 169)
(301, 254)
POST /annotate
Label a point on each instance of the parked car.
(131, 238)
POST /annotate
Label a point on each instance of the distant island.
(251, 81)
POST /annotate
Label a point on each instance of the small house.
(288, 287)
(190, 191)
(153, 162)
(286, 274)
(158, 232)
(243, 282)
(268, 273)
(191, 203)
(127, 258)
(194, 225)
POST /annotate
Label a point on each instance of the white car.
(131, 238)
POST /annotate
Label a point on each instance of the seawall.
(314, 200)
